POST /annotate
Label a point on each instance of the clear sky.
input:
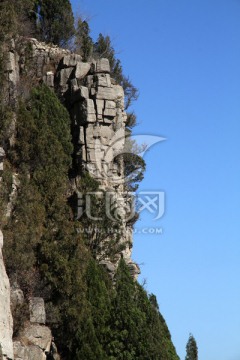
(184, 56)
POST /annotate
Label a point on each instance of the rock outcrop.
(35, 341)
(96, 106)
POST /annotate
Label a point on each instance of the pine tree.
(191, 349)
(56, 21)
(83, 41)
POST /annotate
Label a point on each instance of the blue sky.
(184, 56)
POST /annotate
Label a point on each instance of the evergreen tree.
(83, 41)
(56, 21)
(191, 349)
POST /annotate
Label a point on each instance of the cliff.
(62, 265)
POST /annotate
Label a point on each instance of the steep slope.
(67, 213)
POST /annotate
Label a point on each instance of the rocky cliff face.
(96, 106)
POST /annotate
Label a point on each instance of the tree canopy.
(191, 349)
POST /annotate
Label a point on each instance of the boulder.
(64, 76)
(102, 66)
(30, 352)
(37, 310)
(38, 335)
(104, 93)
(81, 70)
(103, 80)
(70, 60)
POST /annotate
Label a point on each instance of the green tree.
(191, 349)
(83, 40)
(56, 21)
(18, 17)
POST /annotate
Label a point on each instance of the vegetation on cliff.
(45, 253)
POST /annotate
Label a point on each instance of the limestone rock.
(90, 110)
(70, 60)
(104, 93)
(30, 352)
(34, 343)
(37, 310)
(10, 62)
(38, 335)
(109, 112)
(17, 297)
(100, 106)
(64, 76)
(103, 80)
(102, 66)
(81, 70)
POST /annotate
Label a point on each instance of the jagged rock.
(6, 326)
(17, 297)
(37, 310)
(35, 343)
(102, 66)
(31, 352)
(38, 335)
(82, 70)
(64, 76)
(103, 80)
(83, 92)
(70, 60)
